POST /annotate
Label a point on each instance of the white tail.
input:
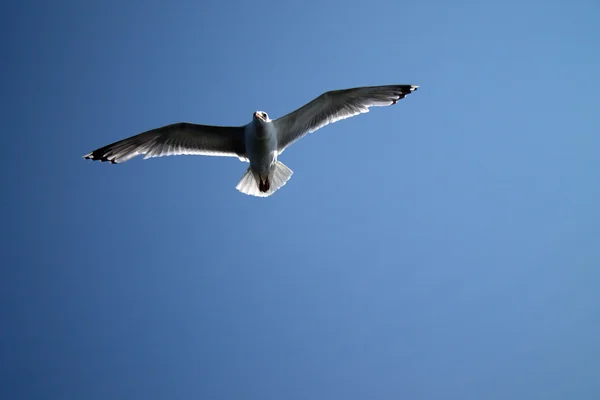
(252, 184)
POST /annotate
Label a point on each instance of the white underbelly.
(261, 149)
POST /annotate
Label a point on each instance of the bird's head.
(261, 116)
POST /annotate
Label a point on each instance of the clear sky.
(444, 248)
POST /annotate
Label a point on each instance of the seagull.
(259, 142)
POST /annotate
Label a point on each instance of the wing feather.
(176, 139)
(334, 106)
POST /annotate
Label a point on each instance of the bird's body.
(259, 142)
(261, 145)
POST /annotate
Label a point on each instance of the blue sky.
(447, 247)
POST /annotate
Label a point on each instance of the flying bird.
(259, 142)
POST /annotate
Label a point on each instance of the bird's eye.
(264, 115)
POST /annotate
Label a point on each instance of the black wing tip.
(405, 90)
(97, 155)
(408, 88)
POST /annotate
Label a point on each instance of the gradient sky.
(444, 248)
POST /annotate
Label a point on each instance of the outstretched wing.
(176, 139)
(333, 106)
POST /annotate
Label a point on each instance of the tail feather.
(252, 184)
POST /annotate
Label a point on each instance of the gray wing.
(176, 139)
(333, 106)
